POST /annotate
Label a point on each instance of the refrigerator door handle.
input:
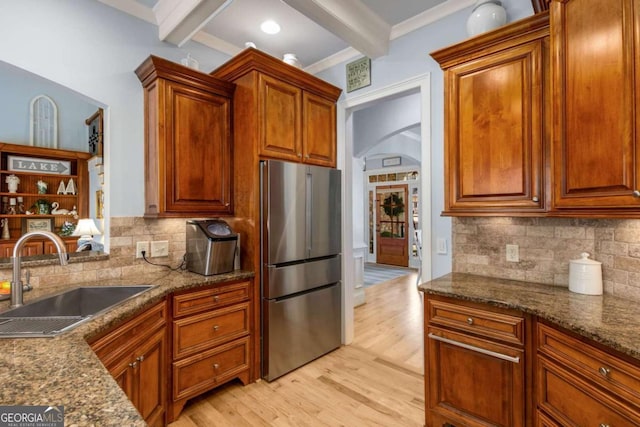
(309, 214)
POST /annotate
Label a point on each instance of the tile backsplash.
(546, 246)
(122, 263)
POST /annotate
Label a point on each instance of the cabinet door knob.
(227, 204)
(216, 366)
(535, 199)
(604, 425)
(604, 371)
(216, 327)
(470, 320)
(299, 154)
(133, 364)
(636, 193)
(140, 358)
(216, 298)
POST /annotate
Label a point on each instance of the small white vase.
(486, 16)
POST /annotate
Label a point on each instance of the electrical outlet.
(142, 246)
(513, 253)
(159, 248)
(441, 244)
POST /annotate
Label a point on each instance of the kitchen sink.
(49, 316)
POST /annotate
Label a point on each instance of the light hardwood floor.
(376, 381)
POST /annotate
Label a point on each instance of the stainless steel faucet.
(16, 283)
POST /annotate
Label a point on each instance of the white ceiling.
(320, 32)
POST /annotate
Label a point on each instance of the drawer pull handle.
(476, 349)
(216, 366)
(470, 320)
(604, 372)
(604, 425)
(636, 193)
(216, 298)
(216, 327)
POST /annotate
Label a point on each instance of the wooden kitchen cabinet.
(476, 365)
(579, 384)
(496, 124)
(281, 112)
(188, 141)
(596, 152)
(281, 122)
(135, 355)
(212, 341)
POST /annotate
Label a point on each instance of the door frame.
(345, 109)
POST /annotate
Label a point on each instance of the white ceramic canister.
(292, 59)
(585, 275)
(486, 15)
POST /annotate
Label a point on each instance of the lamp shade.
(86, 227)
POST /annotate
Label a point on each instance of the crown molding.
(429, 17)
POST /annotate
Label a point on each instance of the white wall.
(408, 57)
(94, 49)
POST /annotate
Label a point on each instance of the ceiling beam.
(351, 20)
(178, 21)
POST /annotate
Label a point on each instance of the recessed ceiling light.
(270, 27)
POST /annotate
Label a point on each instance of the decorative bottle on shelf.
(5, 229)
(20, 205)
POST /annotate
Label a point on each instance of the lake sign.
(36, 165)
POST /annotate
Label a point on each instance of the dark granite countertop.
(609, 320)
(65, 371)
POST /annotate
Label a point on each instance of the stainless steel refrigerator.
(301, 264)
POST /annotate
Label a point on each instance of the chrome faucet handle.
(27, 281)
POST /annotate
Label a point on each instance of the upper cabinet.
(546, 125)
(495, 120)
(595, 65)
(188, 141)
(286, 113)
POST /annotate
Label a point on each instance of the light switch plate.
(159, 248)
(513, 253)
(441, 245)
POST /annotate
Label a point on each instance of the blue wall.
(20, 87)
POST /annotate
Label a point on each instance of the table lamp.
(86, 229)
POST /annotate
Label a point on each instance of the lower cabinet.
(579, 384)
(475, 365)
(211, 341)
(135, 355)
(482, 369)
(161, 360)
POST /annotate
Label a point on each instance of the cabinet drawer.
(611, 373)
(485, 323)
(122, 339)
(207, 299)
(203, 371)
(203, 331)
(473, 379)
(575, 402)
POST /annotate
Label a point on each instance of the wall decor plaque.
(358, 74)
